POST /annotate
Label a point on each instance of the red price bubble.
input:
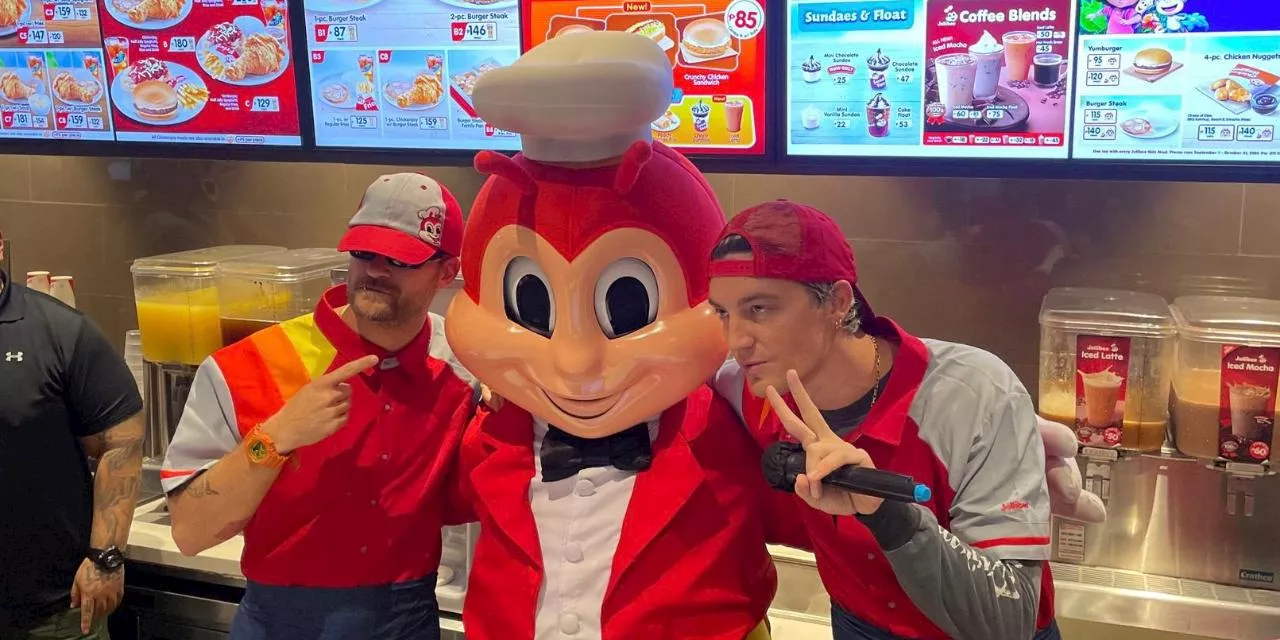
(62, 120)
(48, 11)
(1259, 450)
(22, 34)
(317, 56)
(322, 32)
(490, 130)
(744, 18)
(384, 56)
(8, 120)
(458, 31)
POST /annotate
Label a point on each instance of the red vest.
(691, 561)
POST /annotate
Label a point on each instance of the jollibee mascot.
(619, 498)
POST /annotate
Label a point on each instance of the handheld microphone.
(783, 461)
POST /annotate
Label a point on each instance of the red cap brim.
(384, 241)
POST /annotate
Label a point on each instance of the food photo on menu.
(52, 82)
(399, 73)
(1205, 93)
(182, 71)
(997, 75)
(854, 78)
(717, 51)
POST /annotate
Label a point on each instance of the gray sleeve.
(206, 431)
(968, 593)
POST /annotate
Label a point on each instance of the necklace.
(875, 373)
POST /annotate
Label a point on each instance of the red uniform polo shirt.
(364, 506)
(957, 419)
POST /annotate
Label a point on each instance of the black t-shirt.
(60, 380)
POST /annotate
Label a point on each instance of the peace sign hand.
(824, 451)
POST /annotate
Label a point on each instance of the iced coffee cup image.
(956, 73)
(1101, 394)
(1249, 411)
(989, 56)
(733, 115)
(1019, 50)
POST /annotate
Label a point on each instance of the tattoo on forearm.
(115, 487)
(200, 487)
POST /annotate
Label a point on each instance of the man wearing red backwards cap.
(968, 564)
(338, 471)
(618, 497)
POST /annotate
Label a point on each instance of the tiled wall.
(965, 260)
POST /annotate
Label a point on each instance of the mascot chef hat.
(583, 104)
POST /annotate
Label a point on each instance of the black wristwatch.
(108, 560)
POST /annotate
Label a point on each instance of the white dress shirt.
(579, 523)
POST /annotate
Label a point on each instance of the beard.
(380, 303)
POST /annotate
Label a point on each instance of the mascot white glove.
(1066, 496)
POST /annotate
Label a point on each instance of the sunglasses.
(369, 256)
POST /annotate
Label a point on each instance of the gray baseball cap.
(406, 217)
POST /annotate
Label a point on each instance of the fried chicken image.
(261, 55)
(155, 10)
(426, 90)
(10, 11)
(13, 88)
(70, 89)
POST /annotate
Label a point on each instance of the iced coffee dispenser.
(1224, 387)
(259, 291)
(1106, 358)
(177, 306)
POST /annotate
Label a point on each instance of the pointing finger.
(808, 410)
(351, 369)
(793, 424)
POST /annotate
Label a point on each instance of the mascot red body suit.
(619, 498)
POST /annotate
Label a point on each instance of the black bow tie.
(564, 455)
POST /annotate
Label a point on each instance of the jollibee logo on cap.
(431, 225)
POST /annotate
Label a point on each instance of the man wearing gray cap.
(329, 440)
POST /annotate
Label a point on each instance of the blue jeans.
(405, 611)
(846, 627)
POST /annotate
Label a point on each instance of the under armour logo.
(10, 356)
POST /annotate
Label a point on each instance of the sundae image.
(810, 118)
(878, 116)
(701, 112)
(989, 54)
(878, 64)
(811, 69)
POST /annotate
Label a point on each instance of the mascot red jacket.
(619, 497)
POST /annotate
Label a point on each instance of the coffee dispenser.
(178, 318)
(1194, 517)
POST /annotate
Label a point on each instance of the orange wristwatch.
(262, 450)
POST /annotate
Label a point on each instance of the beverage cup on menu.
(117, 53)
(733, 115)
(1101, 393)
(1019, 48)
(1047, 69)
(989, 55)
(39, 281)
(956, 73)
(1248, 403)
(878, 116)
(273, 12)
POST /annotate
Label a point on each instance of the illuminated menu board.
(201, 71)
(717, 48)
(926, 78)
(1178, 80)
(398, 73)
(52, 82)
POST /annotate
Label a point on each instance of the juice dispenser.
(259, 291)
(177, 305)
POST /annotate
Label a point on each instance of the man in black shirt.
(65, 396)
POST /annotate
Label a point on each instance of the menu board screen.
(1178, 80)
(399, 73)
(926, 78)
(717, 48)
(201, 71)
(52, 83)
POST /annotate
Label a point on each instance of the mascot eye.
(527, 296)
(626, 297)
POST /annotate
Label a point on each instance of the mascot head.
(585, 256)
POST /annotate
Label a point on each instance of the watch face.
(258, 450)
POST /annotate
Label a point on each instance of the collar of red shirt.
(888, 416)
(352, 346)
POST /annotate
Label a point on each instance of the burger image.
(155, 100)
(573, 28)
(651, 29)
(706, 38)
(1153, 61)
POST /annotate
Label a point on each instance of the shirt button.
(386, 407)
(871, 557)
(569, 624)
(573, 553)
(893, 605)
(364, 549)
(384, 457)
(373, 503)
(585, 488)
